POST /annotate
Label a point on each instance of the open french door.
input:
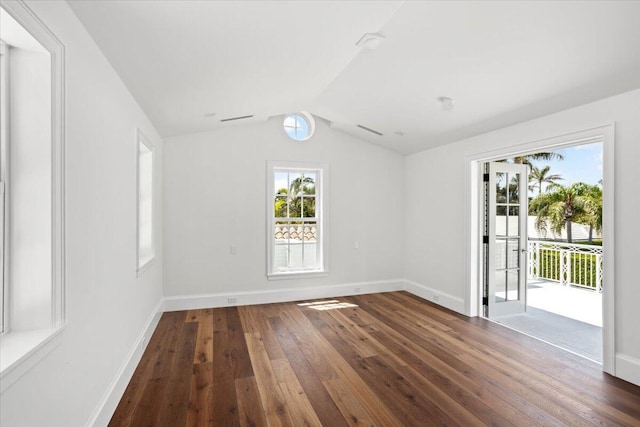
(506, 239)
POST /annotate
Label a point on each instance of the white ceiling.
(501, 62)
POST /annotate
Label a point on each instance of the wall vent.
(236, 118)
(370, 130)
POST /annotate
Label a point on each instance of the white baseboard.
(109, 402)
(628, 368)
(437, 297)
(192, 302)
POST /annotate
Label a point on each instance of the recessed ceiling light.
(370, 41)
(447, 103)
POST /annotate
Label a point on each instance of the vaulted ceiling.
(191, 64)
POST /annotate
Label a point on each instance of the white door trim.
(473, 288)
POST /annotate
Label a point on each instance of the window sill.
(21, 351)
(297, 275)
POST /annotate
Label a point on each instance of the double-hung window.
(32, 249)
(297, 219)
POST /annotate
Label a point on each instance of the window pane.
(513, 253)
(280, 207)
(281, 183)
(290, 121)
(514, 189)
(512, 285)
(301, 123)
(145, 204)
(302, 133)
(309, 183)
(310, 258)
(501, 187)
(514, 221)
(310, 232)
(501, 221)
(309, 206)
(501, 286)
(280, 255)
(295, 207)
(295, 183)
(500, 257)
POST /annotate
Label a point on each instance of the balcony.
(567, 263)
(564, 297)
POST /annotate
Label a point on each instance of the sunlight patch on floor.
(327, 305)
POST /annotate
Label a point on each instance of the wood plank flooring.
(387, 359)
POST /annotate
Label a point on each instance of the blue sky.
(582, 163)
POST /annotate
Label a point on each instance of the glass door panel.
(507, 212)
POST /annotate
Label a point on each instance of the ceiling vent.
(236, 118)
(370, 130)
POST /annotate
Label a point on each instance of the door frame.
(474, 213)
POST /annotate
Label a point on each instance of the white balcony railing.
(567, 263)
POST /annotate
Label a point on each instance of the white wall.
(107, 306)
(29, 190)
(215, 197)
(435, 236)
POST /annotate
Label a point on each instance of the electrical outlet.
(356, 245)
(436, 297)
(233, 249)
(232, 300)
(357, 290)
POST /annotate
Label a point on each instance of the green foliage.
(526, 160)
(549, 266)
(592, 214)
(559, 207)
(298, 201)
(537, 177)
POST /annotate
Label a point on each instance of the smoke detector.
(447, 103)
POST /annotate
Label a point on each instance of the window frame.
(4, 181)
(321, 215)
(23, 349)
(308, 120)
(143, 260)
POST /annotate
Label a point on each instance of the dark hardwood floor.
(385, 359)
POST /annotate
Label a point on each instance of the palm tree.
(301, 200)
(539, 176)
(559, 206)
(592, 214)
(526, 159)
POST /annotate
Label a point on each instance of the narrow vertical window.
(297, 221)
(4, 166)
(146, 250)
